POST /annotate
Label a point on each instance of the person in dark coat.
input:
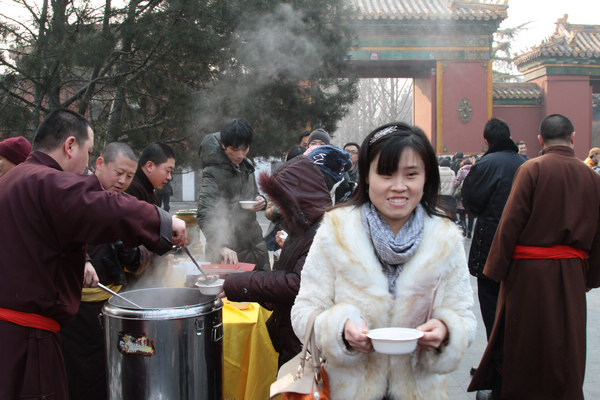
(457, 160)
(49, 212)
(335, 164)
(83, 343)
(484, 195)
(232, 233)
(353, 148)
(164, 196)
(154, 171)
(546, 254)
(300, 192)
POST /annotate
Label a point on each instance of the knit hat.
(320, 134)
(331, 160)
(15, 149)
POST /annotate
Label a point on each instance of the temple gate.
(445, 46)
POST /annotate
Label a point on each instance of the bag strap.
(309, 344)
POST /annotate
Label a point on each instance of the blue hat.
(331, 160)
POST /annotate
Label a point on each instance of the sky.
(543, 14)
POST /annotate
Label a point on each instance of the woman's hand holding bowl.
(356, 337)
(435, 334)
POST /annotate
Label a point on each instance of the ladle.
(101, 286)
(207, 279)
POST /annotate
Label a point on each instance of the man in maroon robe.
(48, 214)
(154, 170)
(546, 254)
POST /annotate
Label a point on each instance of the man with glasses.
(353, 149)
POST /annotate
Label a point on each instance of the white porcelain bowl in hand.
(248, 204)
(210, 288)
(394, 340)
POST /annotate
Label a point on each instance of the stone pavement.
(459, 379)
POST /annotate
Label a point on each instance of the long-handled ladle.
(207, 279)
(101, 286)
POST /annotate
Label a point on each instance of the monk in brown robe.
(49, 212)
(546, 254)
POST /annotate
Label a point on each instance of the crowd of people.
(371, 235)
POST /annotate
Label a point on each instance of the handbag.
(458, 191)
(298, 381)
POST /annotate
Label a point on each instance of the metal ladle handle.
(101, 286)
(206, 277)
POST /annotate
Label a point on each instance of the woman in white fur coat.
(375, 262)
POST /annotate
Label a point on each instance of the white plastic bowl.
(212, 288)
(247, 204)
(394, 340)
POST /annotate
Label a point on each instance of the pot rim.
(111, 309)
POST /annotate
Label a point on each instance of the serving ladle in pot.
(207, 279)
(101, 286)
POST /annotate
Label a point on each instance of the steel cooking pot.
(172, 348)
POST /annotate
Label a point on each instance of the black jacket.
(299, 191)
(484, 194)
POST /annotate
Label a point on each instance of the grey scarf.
(393, 251)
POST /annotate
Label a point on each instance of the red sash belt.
(554, 252)
(29, 319)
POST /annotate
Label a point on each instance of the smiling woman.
(395, 196)
(375, 263)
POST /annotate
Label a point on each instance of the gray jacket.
(219, 215)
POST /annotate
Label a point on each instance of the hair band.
(382, 133)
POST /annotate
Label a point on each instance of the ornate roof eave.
(516, 94)
(507, 90)
(426, 10)
(570, 44)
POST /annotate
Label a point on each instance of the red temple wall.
(572, 97)
(524, 122)
(464, 80)
(423, 101)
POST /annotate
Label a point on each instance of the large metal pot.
(171, 349)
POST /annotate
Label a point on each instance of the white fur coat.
(343, 276)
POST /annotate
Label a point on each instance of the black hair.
(496, 131)
(156, 152)
(389, 147)
(520, 142)
(294, 151)
(57, 127)
(351, 144)
(237, 133)
(444, 162)
(556, 127)
(112, 150)
(303, 135)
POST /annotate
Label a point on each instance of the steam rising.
(279, 44)
(271, 46)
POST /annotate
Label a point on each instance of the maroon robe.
(539, 336)
(47, 216)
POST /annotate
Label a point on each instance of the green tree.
(503, 67)
(174, 70)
